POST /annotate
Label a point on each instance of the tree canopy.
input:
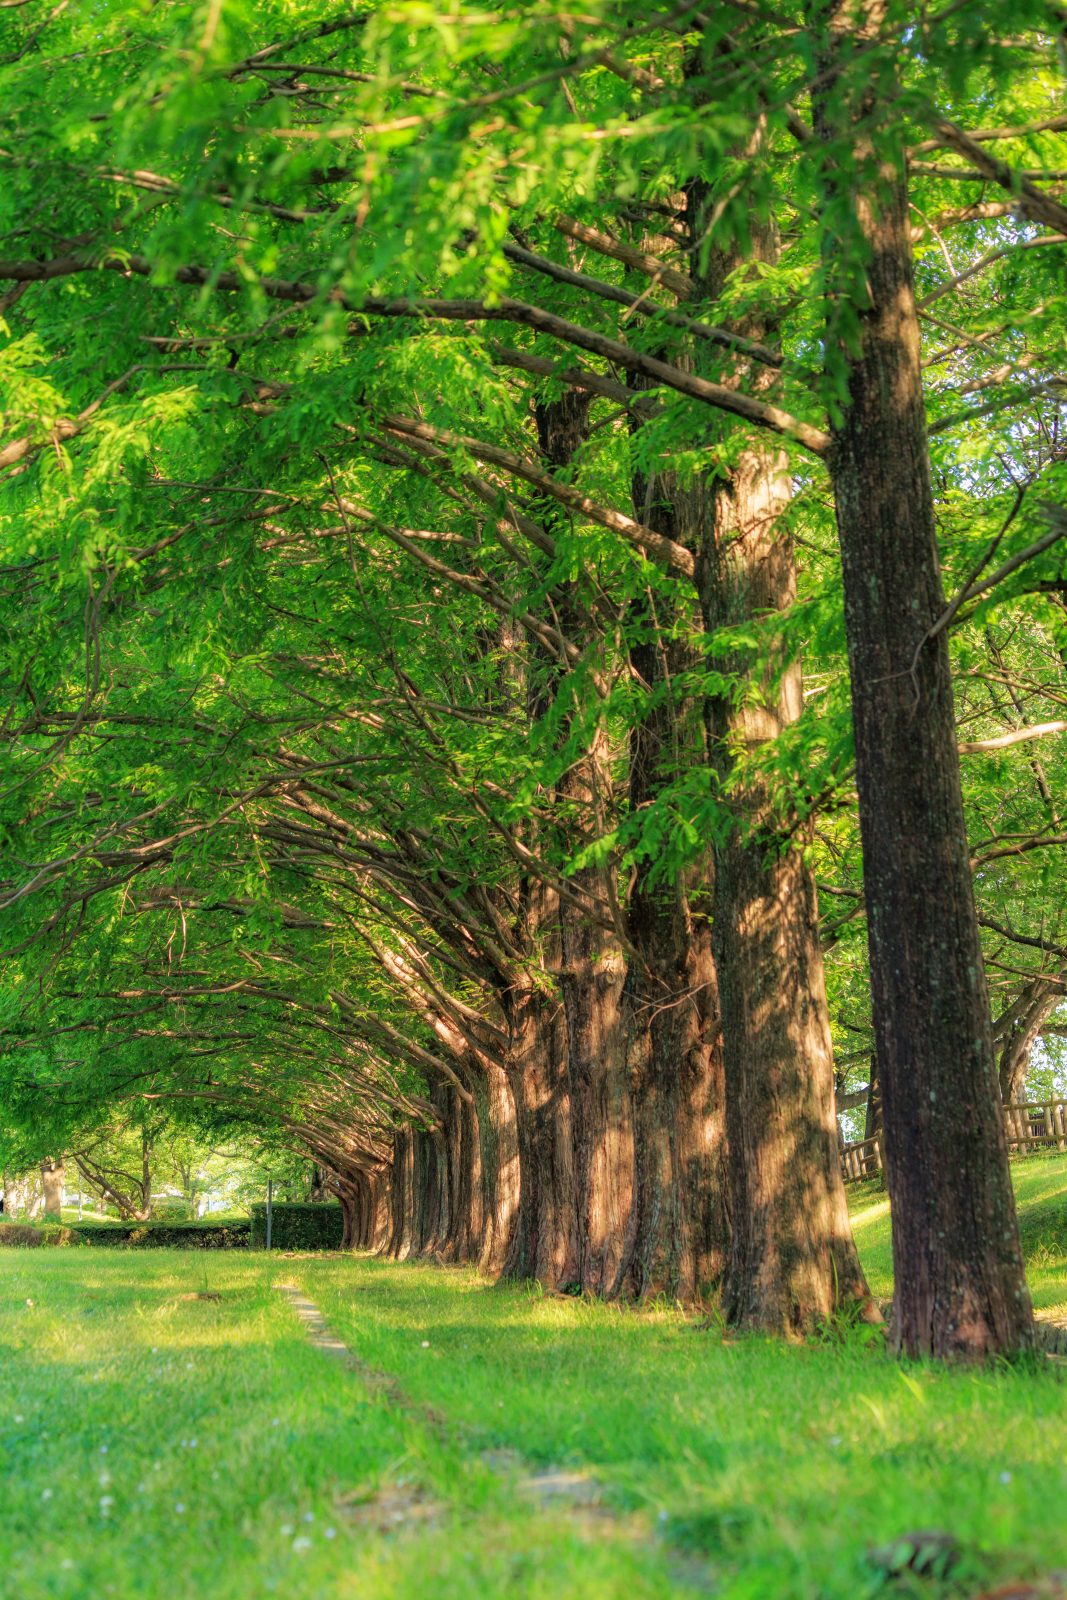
(421, 449)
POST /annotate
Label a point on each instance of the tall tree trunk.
(500, 1167)
(348, 1197)
(429, 1190)
(679, 1234)
(959, 1282)
(461, 1231)
(1037, 1003)
(872, 1122)
(793, 1261)
(401, 1195)
(375, 1228)
(592, 974)
(52, 1176)
(544, 1243)
(588, 1083)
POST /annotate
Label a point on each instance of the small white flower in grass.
(329, 1533)
(426, 1344)
(287, 1530)
(192, 1444)
(189, 1366)
(1005, 1477)
(103, 1449)
(179, 1507)
(106, 1502)
(105, 1480)
(29, 1302)
(309, 1516)
(301, 1544)
(155, 1349)
(19, 1417)
(46, 1494)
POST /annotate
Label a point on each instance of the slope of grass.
(158, 1445)
(1041, 1195)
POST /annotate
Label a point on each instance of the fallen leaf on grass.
(927, 1553)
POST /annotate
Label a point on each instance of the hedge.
(27, 1235)
(232, 1235)
(298, 1227)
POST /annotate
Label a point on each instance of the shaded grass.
(751, 1468)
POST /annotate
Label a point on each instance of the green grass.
(761, 1470)
(1041, 1194)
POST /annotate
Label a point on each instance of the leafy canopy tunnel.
(433, 445)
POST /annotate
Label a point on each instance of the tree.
(409, 757)
(959, 1284)
(52, 1177)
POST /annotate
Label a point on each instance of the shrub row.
(293, 1227)
(298, 1227)
(26, 1235)
(232, 1235)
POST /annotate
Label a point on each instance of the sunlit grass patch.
(157, 1444)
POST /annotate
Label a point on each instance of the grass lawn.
(157, 1445)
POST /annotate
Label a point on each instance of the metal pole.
(270, 1207)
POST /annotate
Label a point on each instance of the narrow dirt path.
(577, 1494)
(322, 1336)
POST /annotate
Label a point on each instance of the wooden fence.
(1035, 1125)
(861, 1160)
(1031, 1126)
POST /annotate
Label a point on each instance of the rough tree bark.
(568, 1064)
(793, 1261)
(373, 1222)
(960, 1288)
(872, 1122)
(679, 1232)
(1028, 1016)
(348, 1197)
(592, 975)
(52, 1177)
(401, 1195)
(500, 1167)
(544, 1244)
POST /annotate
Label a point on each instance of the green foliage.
(273, 724)
(231, 1234)
(298, 1227)
(28, 1235)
